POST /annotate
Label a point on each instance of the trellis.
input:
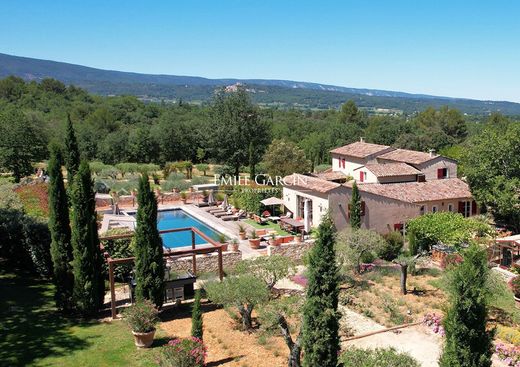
(194, 251)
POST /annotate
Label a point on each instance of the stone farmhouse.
(396, 185)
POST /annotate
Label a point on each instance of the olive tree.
(352, 244)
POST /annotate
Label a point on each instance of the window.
(442, 173)
(450, 207)
(465, 208)
(434, 209)
(422, 210)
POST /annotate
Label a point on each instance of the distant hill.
(283, 93)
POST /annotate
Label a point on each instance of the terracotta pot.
(298, 239)
(254, 243)
(242, 235)
(143, 340)
(224, 246)
(183, 201)
(234, 247)
(273, 242)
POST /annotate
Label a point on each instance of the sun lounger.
(260, 220)
(235, 216)
(221, 214)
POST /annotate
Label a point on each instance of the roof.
(359, 149)
(408, 156)
(390, 169)
(512, 239)
(330, 175)
(310, 183)
(418, 192)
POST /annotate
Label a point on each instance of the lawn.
(268, 225)
(34, 334)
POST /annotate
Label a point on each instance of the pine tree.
(87, 264)
(196, 317)
(72, 157)
(468, 343)
(149, 262)
(59, 226)
(320, 316)
(355, 207)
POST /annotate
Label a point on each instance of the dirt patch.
(227, 345)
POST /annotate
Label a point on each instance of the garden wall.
(205, 263)
(292, 250)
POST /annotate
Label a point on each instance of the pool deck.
(228, 228)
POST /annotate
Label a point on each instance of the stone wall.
(292, 250)
(205, 263)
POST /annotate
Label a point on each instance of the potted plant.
(272, 240)
(234, 245)
(298, 237)
(142, 319)
(223, 240)
(242, 231)
(254, 241)
(515, 287)
(183, 197)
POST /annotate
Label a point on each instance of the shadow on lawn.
(30, 326)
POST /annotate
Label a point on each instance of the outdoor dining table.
(292, 224)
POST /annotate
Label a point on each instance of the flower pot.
(143, 340)
(234, 247)
(183, 201)
(273, 242)
(242, 235)
(254, 243)
(298, 239)
(224, 246)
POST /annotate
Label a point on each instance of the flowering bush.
(434, 321)
(509, 355)
(363, 268)
(189, 352)
(141, 317)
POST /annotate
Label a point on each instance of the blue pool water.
(178, 218)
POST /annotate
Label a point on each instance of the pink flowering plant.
(188, 352)
(508, 354)
(434, 321)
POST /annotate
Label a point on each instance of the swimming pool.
(178, 218)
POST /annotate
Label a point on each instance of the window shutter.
(473, 207)
(349, 208)
(440, 173)
(362, 208)
(398, 227)
(361, 176)
(461, 207)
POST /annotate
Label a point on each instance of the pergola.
(511, 244)
(183, 251)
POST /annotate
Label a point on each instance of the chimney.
(362, 139)
(432, 152)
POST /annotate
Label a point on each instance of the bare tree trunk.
(245, 312)
(294, 359)
(404, 275)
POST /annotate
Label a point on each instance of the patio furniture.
(291, 225)
(258, 219)
(235, 216)
(274, 218)
(222, 214)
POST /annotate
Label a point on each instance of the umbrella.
(272, 201)
(225, 202)
(211, 198)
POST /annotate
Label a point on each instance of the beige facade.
(293, 198)
(431, 168)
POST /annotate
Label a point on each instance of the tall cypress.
(468, 343)
(72, 157)
(149, 262)
(87, 264)
(59, 227)
(355, 207)
(196, 317)
(320, 316)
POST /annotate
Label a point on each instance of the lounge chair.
(235, 216)
(222, 214)
(260, 220)
(287, 215)
(219, 209)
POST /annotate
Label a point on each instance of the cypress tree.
(196, 317)
(59, 227)
(87, 264)
(468, 343)
(355, 207)
(149, 262)
(320, 316)
(72, 157)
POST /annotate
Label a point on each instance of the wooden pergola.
(183, 251)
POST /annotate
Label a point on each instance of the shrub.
(357, 357)
(322, 167)
(109, 171)
(189, 352)
(142, 317)
(392, 247)
(509, 334)
(515, 286)
(101, 187)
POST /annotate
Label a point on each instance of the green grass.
(32, 333)
(269, 225)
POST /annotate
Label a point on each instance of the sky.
(454, 48)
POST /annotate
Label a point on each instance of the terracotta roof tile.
(391, 169)
(408, 156)
(359, 149)
(299, 181)
(330, 175)
(417, 192)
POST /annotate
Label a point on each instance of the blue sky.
(453, 48)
